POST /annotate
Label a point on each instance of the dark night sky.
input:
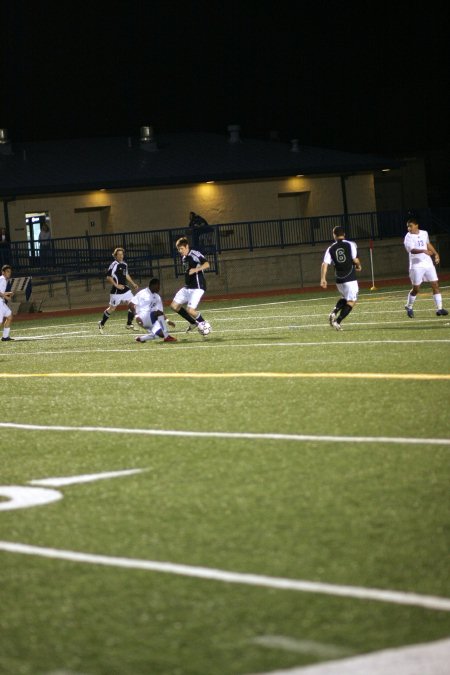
(358, 76)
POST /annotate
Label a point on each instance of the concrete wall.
(103, 212)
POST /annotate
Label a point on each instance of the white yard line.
(226, 576)
(85, 478)
(231, 435)
(137, 349)
(223, 376)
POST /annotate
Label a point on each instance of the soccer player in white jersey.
(343, 255)
(421, 267)
(5, 311)
(150, 313)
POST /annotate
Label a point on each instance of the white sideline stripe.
(256, 374)
(30, 338)
(396, 597)
(85, 478)
(289, 644)
(230, 434)
(252, 345)
(424, 659)
(259, 329)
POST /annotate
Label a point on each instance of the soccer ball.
(204, 328)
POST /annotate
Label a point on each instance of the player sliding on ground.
(150, 313)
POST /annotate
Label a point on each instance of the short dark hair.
(182, 241)
(339, 231)
(412, 220)
(153, 282)
(6, 267)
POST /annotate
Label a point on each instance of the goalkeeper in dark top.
(343, 255)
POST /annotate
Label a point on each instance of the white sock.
(437, 297)
(144, 338)
(163, 325)
(411, 300)
(6, 332)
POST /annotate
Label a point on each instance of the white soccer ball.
(205, 328)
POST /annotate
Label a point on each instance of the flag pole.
(373, 287)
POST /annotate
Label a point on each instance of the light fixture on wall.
(147, 139)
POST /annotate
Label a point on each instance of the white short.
(420, 274)
(4, 312)
(189, 296)
(145, 317)
(116, 299)
(349, 290)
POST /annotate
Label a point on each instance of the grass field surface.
(274, 497)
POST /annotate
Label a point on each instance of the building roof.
(78, 165)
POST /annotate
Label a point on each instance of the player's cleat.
(336, 325)
(190, 327)
(100, 327)
(331, 318)
(138, 338)
(409, 311)
(131, 326)
(442, 312)
(169, 338)
(7, 339)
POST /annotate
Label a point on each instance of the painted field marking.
(232, 435)
(85, 478)
(228, 346)
(289, 644)
(21, 497)
(226, 576)
(431, 659)
(270, 375)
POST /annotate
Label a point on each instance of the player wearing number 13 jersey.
(343, 255)
(421, 268)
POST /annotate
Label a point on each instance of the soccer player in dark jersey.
(194, 265)
(343, 255)
(118, 276)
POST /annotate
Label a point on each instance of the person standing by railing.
(198, 227)
(45, 242)
(4, 246)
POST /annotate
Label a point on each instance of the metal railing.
(90, 255)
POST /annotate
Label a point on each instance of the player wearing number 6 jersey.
(343, 255)
(421, 267)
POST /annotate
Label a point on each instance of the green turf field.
(271, 497)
